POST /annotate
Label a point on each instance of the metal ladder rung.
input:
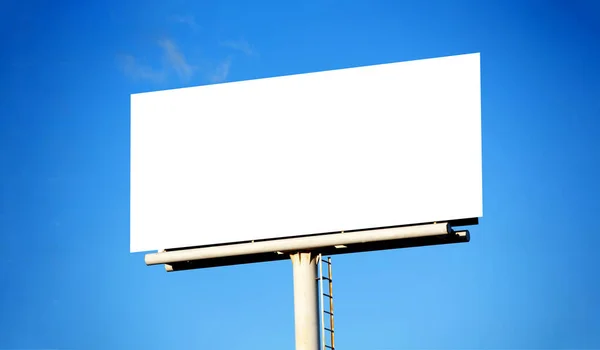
(328, 312)
(327, 295)
(325, 261)
(330, 330)
(329, 347)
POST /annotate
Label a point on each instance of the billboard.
(349, 149)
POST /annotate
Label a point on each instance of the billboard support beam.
(306, 307)
(307, 243)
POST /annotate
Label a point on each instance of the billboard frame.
(304, 252)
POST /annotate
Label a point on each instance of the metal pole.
(306, 307)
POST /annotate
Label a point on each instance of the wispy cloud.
(221, 72)
(188, 20)
(176, 59)
(240, 45)
(135, 70)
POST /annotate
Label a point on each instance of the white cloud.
(240, 45)
(176, 59)
(136, 70)
(221, 73)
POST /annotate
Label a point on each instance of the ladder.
(326, 304)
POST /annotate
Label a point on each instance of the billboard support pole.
(306, 307)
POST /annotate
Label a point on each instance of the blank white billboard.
(358, 148)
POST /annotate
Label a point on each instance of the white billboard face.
(358, 148)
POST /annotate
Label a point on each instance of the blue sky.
(528, 279)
